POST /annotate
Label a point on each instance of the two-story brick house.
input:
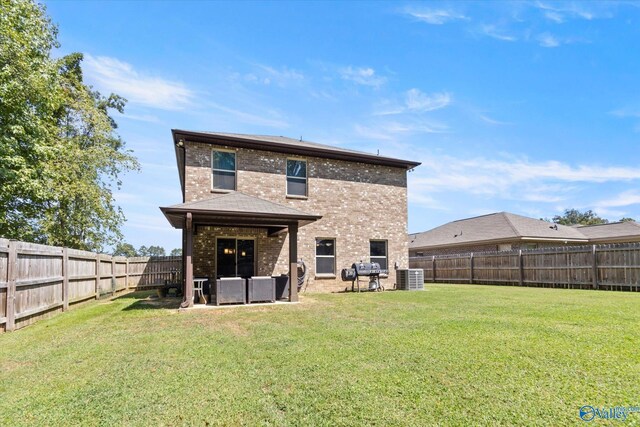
(254, 205)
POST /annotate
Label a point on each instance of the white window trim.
(325, 275)
(386, 250)
(235, 171)
(306, 178)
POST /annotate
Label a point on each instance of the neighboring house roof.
(626, 231)
(281, 144)
(238, 207)
(494, 228)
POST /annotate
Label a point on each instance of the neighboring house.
(504, 231)
(254, 205)
(613, 232)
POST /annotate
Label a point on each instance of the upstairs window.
(223, 167)
(378, 252)
(325, 256)
(296, 177)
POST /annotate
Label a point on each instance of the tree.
(125, 249)
(627, 219)
(59, 153)
(575, 217)
(151, 251)
(176, 252)
(156, 251)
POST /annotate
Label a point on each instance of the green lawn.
(452, 355)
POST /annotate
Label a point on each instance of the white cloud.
(560, 12)
(547, 40)
(389, 107)
(394, 129)
(609, 213)
(424, 200)
(626, 198)
(496, 33)
(419, 101)
(269, 118)
(371, 132)
(415, 101)
(625, 112)
(485, 118)
(435, 16)
(510, 177)
(628, 113)
(363, 76)
(113, 75)
(149, 118)
(281, 77)
(554, 16)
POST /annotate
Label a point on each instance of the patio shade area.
(235, 209)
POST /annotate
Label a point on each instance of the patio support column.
(293, 262)
(188, 263)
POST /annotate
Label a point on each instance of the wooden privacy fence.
(38, 280)
(609, 267)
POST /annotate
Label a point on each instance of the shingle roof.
(235, 202)
(611, 231)
(290, 145)
(284, 140)
(501, 226)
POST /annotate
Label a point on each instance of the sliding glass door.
(235, 258)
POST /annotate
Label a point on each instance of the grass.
(452, 355)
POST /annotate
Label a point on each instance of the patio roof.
(238, 209)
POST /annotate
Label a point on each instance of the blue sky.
(526, 107)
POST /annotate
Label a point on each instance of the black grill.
(360, 269)
(349, 274)
(367, 268)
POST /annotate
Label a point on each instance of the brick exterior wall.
(337, 190)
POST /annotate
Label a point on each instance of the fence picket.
(37, 281)
(608, 267)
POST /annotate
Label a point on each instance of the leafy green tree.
(575, 217)
(627, 219)
(156, 251)
(125, 249)
(176, 252)
(151, 251)
(27, 108)
(60, 156)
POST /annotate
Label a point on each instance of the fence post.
(594, 271)
(126, 273)
(521, 267)
(433, 268)
(114, 281)
(97, 276)
(471, 268)
(65, 279)
(12, 271)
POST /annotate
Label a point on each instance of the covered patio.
(232, 211)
